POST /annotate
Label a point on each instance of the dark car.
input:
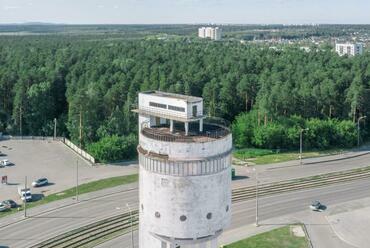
(40, 182)
(10, 203)
(317, 206)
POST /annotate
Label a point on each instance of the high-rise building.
(350, 49)
(214, 33)
(202, 32)
(185, 177)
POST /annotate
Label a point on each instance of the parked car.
(2, 154)
(10, 203)
(3, 207)
(5, 162)
(25, 194)
(317, 206)
(40, 182)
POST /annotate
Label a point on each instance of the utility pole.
(301, 144)
(80, 128)
(132, 227)
(77, 180)
(55, 128)
(20, 121)
(256, 224)
(25, 200)
(358, 129)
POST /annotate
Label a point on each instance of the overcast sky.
(185, 11)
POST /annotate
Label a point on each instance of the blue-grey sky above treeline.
(185, 11)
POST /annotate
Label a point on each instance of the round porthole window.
(157, 214)
(183, 218)
(209, 216)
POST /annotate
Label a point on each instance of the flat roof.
(173, 95)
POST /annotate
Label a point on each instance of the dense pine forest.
(268, 94)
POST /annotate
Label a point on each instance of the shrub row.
(114, 148)
(284, 132)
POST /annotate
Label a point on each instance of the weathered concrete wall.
(185, 200)
(192, 197)
(187, 150)
(183, 207)
(185, 187)
(183, 168)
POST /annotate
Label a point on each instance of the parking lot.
(35, 159)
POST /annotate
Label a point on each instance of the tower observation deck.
(185, 181)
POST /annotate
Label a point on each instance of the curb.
(339, 159)
(319, 162)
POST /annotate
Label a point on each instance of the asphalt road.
(294, 205)
(39, 228)
(46, 225)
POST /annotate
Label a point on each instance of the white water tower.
(185, 174)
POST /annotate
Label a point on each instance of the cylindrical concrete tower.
(185, 181)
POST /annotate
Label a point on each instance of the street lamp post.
(132, 227)
(256, 224)
(358, 129)
(77, 180)
(301, 144)
(55, 128)
(25, 199)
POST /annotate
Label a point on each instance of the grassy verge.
(82, 189)
(262, 156)
(248, 153)
(278, 238)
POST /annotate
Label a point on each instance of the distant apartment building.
(350, 49)
(214, 33)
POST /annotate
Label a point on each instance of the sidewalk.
(292, 169)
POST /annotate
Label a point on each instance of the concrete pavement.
(351, 222)
(53, 160)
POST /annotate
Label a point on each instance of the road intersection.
(46, 223)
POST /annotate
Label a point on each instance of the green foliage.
(278, 238)
(284, 133)
(90, 84)
(251, 153)
(114, 148)
(271, 136)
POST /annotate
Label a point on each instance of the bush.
(284, 133)
(114, 148)
(271, 136)
(243, 129)
(346, 133)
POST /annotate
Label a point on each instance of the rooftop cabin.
(174, 117)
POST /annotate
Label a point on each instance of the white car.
(3, 207)
(40, 182)
(5, 162)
